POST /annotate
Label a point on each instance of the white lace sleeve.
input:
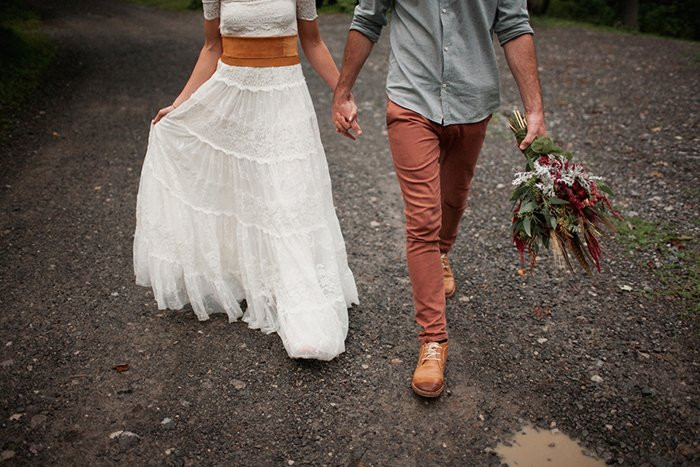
(211, 8)
(306, 9)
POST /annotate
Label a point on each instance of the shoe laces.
(432, 352)
(445, 262)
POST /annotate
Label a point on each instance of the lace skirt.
(235, 204)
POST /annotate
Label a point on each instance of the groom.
(442, 88)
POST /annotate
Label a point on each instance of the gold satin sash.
(260, 51)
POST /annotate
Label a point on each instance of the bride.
(235, 197)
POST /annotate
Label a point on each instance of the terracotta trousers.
(435, 165)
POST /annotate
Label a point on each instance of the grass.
(554, 22)
(636, 233)
(679, 269)
(341, 6)
(171, 4)
(26, 55)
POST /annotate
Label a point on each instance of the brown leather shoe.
(428, 379)
(447, 278)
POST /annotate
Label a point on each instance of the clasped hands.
(344, 115)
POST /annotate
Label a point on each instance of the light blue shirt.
(443, 63)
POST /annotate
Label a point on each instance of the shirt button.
(444, 10)
(445, 49)
(444, 85)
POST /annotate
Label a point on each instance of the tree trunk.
(630, 15)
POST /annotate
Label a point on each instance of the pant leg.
(461, 145)
(415, 149)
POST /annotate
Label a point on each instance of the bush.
(590, 11)
(26, 54)
(676, 18)
(343, 6)
(673, 18)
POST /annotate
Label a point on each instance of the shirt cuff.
(367, 28)
(514, 32)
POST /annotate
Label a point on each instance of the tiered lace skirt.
(235, 204)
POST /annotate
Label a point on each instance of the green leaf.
(519, 192)
(555, 200)
(527, 207)
(553, 222)
(549, 221)
(527, 226)
(605, 189)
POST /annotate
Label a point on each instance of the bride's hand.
(162, 113)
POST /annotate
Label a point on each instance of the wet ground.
(604, 359)
(532, 447)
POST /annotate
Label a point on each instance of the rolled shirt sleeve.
(370, 17)
(512, 20)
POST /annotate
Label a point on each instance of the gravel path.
(616, 369)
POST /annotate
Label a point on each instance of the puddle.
(532, 447)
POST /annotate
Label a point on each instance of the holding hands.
(344, 115)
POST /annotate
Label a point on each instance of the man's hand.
(522, 60)
(535, 128)
(344, 115)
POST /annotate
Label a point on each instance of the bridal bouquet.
(557, 204)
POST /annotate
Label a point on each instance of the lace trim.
(306, 10)
(211, 9)
(215, 212)
(213, 111)
(237, 155)
(141, 238)
(337, 299)
(274, 87)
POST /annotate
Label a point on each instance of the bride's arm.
(203, 69)
(316, 52)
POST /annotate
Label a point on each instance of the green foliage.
(679, 267)
(26, 53)
(325, 6)
(336, 6)
(676, 18)
(636, 233)
(590, 11)
(172, 4)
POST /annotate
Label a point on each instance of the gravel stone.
(617, 100)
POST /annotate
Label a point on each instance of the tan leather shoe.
(428, 379)
(447, 278)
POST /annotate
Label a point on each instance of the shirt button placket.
(445, 62)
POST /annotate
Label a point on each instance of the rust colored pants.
(435, 165)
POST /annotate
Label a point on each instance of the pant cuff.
(432, 338)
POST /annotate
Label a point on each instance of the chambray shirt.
(442, 63)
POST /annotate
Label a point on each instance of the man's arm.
(367, 24)
(344, 113)
(512, 26)
(522, 60)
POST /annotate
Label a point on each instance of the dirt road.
(218, 393)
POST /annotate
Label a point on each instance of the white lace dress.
(235, 198)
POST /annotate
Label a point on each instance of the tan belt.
(260, 51)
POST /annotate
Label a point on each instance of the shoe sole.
(427, 394)
(451, 294)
